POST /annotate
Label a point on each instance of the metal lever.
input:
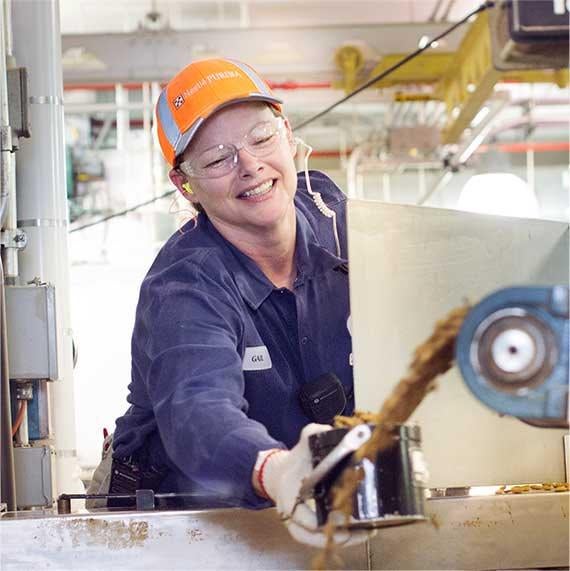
(351, 442)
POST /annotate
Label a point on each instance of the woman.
(244, 314)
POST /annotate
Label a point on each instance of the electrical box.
(34, 476)
(535, 20)
(32, 333)
(530, 34)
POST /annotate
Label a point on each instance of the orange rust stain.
(111, 534)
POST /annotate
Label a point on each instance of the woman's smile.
(258, 193)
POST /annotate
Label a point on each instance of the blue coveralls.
(219, 353)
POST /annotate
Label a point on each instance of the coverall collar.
(312, 259)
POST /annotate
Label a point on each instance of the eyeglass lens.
(221, 159)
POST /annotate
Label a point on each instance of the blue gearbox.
(512, 351)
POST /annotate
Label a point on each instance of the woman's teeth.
(258, 190)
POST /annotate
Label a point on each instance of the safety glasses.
(220, 160)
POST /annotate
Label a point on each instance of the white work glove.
(282, 476)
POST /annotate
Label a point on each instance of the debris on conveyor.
(532, 488)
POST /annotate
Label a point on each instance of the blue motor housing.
(512, 351)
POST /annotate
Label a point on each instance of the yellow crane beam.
(463, 80)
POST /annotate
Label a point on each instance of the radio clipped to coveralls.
(323, 398)
(129, 475)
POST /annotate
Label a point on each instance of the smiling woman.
(242, 312)
(249, 198)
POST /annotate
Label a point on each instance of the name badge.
(256, 359)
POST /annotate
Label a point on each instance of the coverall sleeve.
(196, 385)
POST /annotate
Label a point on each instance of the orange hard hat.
(199, 90)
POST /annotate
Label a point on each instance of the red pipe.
(284, 85)
(291, 85)
(329, 154)
(537, 146)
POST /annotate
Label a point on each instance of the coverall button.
(304, 340)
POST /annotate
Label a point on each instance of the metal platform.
(462, 532)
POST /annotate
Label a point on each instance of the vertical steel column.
(42, 207)
(7, 478)
(7, 475)
(5, 155)
(7, 162)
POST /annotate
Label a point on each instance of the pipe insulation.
(5, 133)
(43, 210)
(7, 475)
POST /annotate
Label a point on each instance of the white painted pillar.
(42, 207)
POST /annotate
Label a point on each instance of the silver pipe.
(352, 168)
(530, 172)
(72, 108)
(5, 155)
(398, 114)
(406, 109)
(420, 113)
(122, 99)
(7, 4)
(386, 187)
(8, 209)
(147, 112)
(4, 184)
(437, 115)
(244, 16)
(342, 147)
(441, 182)
(532, 120)
(158, 177)
(8, 477)
(147, 127)
(540, 101)
(394, 166)
(480, 133)
(42, 197)
(103, 133)
(445, 15)
(435, 11)
(421, 181)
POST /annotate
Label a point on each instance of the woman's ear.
(180, 181)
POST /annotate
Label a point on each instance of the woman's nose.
(248, 164)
